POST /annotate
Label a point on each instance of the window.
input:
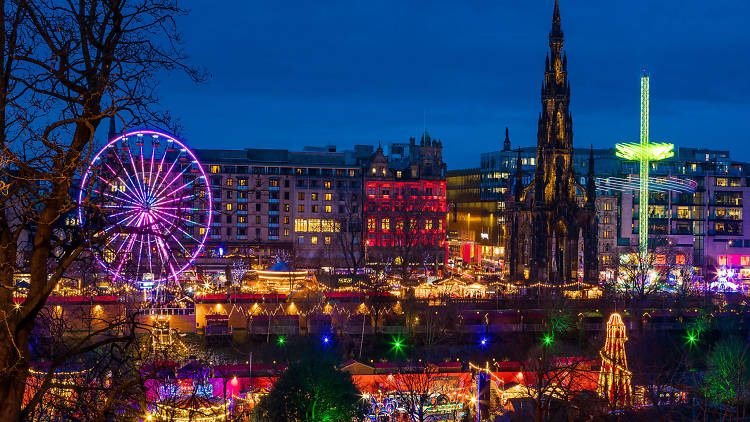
(328, 208)
(286, 183)
(428, 225)
(745, 260)
(398, 174)
(314, 196)
(215, 169)
(257, 183)
(202, 231)
(327, 225)
(605, 219)
(679, 259)
(229, 194)
(660, 259)
(229, 206)
(314, 208)
(300, 208)
(242, 194)
(286, 195)
(257, 233)
(607, 206)
(327, 184)
(257, 195)
(274, 183)
(385, 224)
(229, 231)
(327, 240)
(242, 181)
(399, 224)
(606, 260)
(241, 219)
(257, 207)
(286, 207)
(230, 181)
(286, 232)
(313, 225)
(722, 181)
(300, 225)
(314, 240)
(607, 234)
(372, 224)
(286, 219)
(301, 240)
(301, 196)
(229, 219)
(242, 207)
(328, 197)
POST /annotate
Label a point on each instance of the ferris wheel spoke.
(122, 166)
(162, 189)
(157, 187)
(168, 201)
(171, 223)
(117, 189)
(135, 175)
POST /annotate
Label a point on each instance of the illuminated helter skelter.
(148, 208)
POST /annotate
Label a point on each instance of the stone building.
(551, 222)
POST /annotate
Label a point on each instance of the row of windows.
(302, 225)
(284, 171)
(314, 240)
(398, 224)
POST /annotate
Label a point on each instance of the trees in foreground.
(312, 390)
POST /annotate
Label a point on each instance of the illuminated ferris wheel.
(146, 204)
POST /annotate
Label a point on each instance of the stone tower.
(553, 221)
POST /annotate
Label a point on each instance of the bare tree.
(65, 67)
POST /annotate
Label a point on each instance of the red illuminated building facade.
(405, 204)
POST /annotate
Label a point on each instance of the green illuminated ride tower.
(645, 152)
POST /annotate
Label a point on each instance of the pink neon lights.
(151, 192)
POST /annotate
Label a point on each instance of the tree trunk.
(13, 380)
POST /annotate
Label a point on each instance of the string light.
(614, 376)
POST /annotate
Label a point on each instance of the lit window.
(607, 206)
(242, 219)
(313, 225)
(680, 259)
(385, 224)
(328, 208)
(329, 197)
(398, 174)
(314, 196)
(230, 181)
(327, 240)
(399, 224)
(286, 232)
(428, 225)
(242, 181)
(744, 260)
(326, 225)
(372, 224)
(286, 219)
(722, 260)
(314, 208)
(314, 240)
(300, 225)
(301, 196)
(202, 231)
(229, 207)
(327, 184)
(300, 208)
(215, 169)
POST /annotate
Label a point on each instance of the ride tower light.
(644, 152)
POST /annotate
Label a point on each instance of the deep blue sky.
(289, 74)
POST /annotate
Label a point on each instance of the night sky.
(287, 74)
